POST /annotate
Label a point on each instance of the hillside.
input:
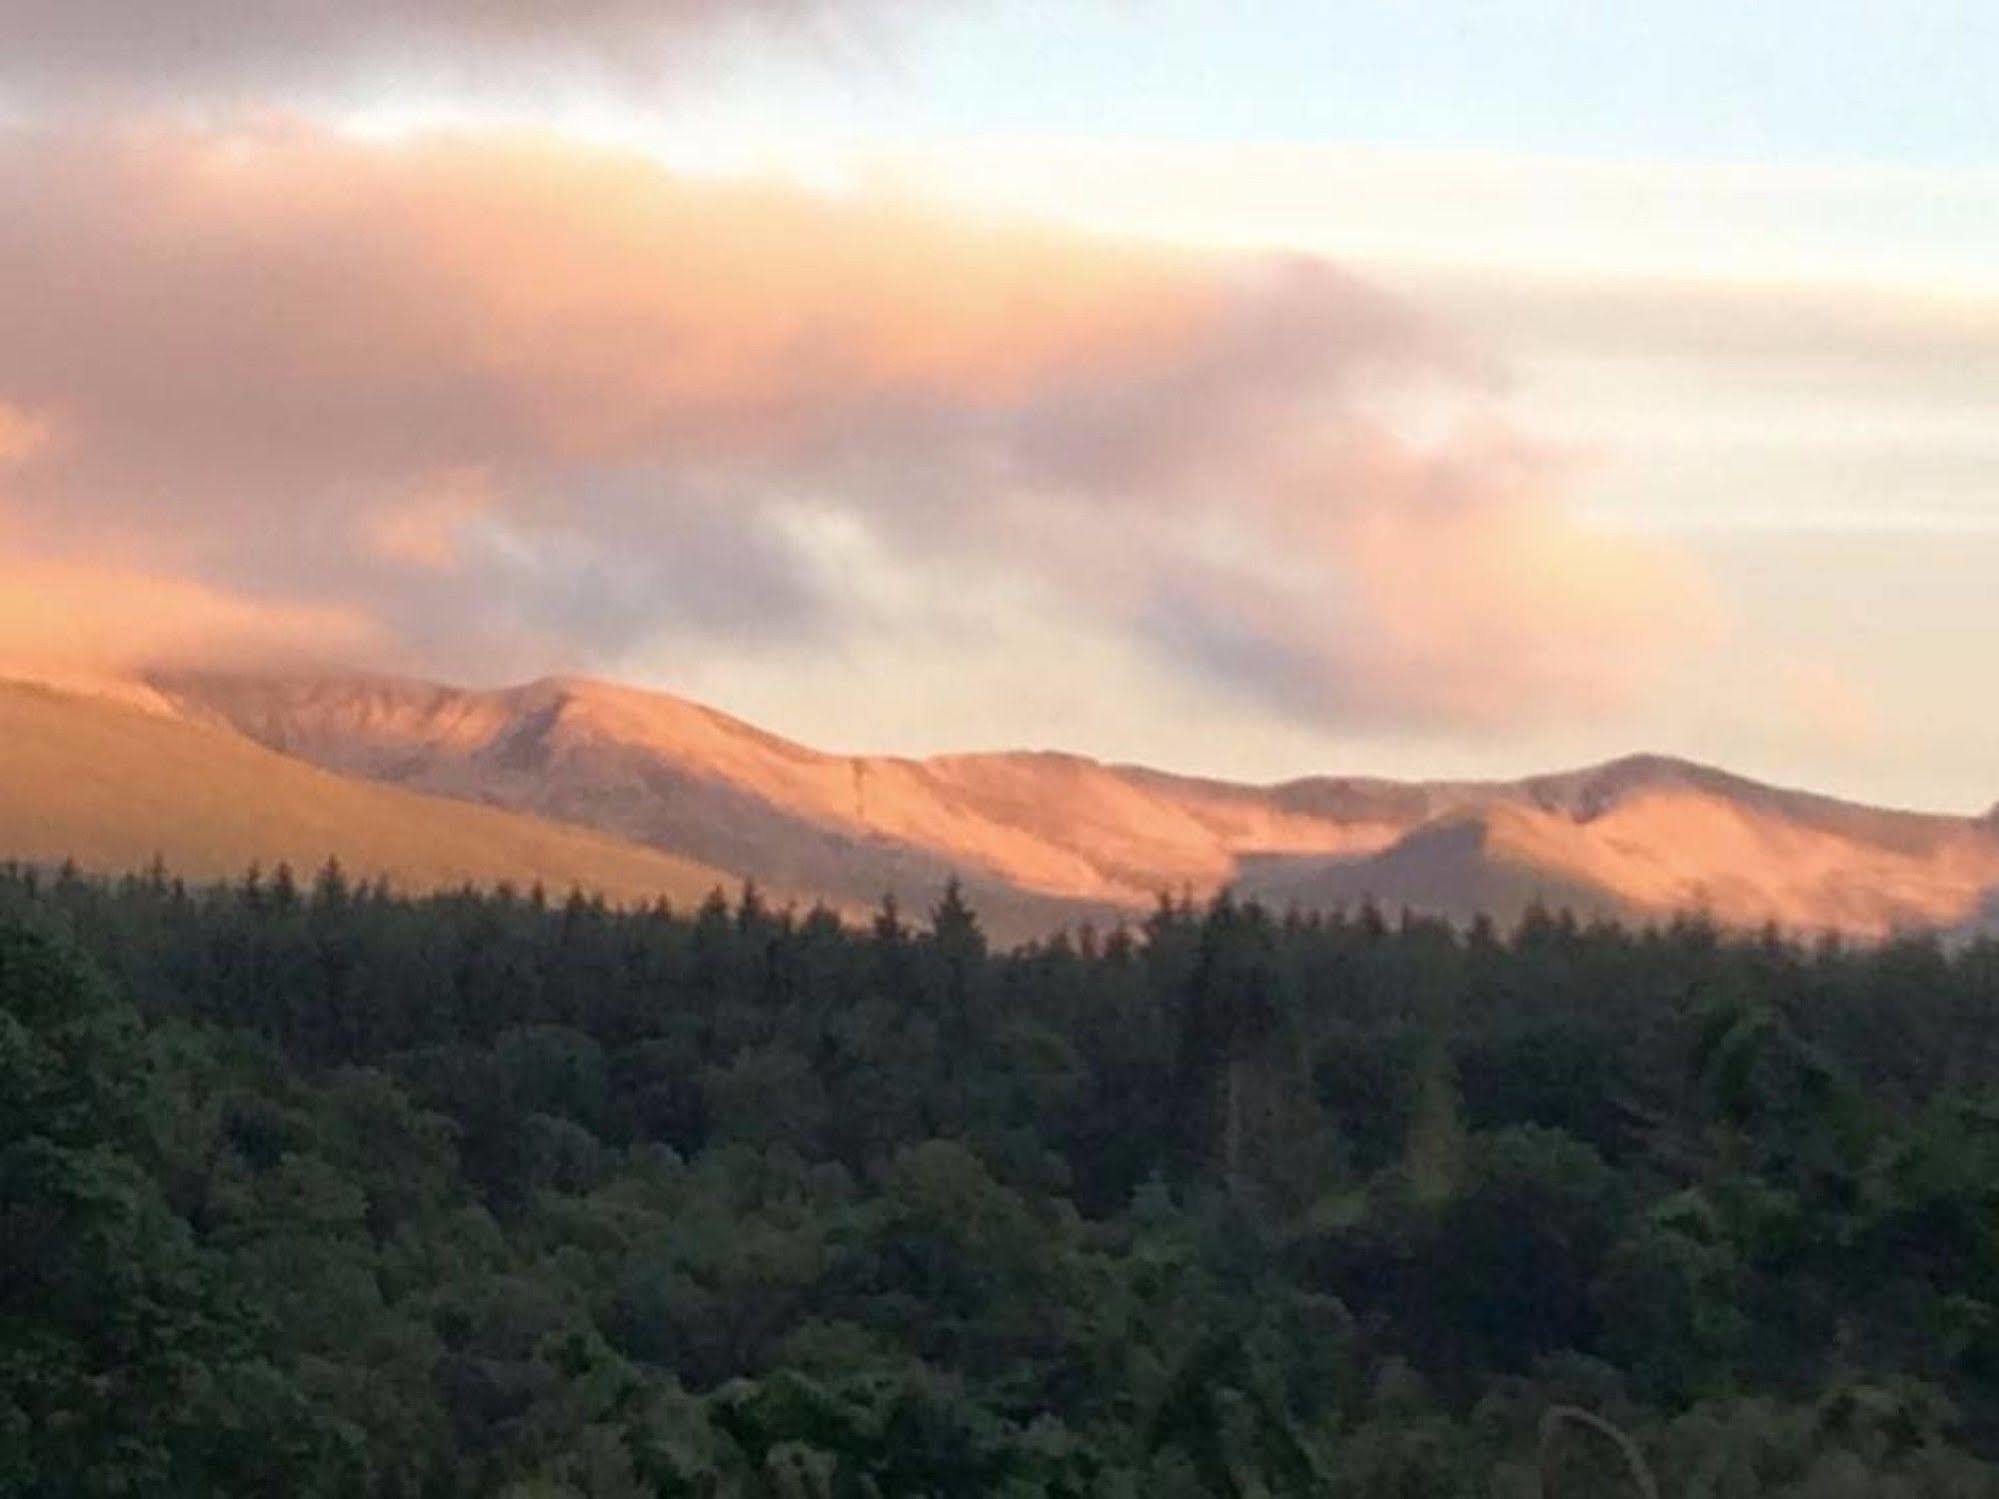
(1043, 838)
(112, 786)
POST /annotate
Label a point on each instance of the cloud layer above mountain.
(512, 403)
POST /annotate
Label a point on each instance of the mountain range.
(576, 782)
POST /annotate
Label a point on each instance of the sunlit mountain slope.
(1040, 838)
(112, 785)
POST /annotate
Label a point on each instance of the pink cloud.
(426, 530)
(22, 434)
(518, 404)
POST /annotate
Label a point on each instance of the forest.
(309, 1188)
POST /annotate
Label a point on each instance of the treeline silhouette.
(307, 1188)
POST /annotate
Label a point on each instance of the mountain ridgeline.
(639, 794)
(1043, 839)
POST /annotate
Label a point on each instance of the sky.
(1427, 390)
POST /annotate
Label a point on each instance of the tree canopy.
(310, 1189)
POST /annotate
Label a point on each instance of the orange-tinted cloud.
(22, 434)
(1443, 588)
(427, 530)
(518, 404)
(1482, 591)
(75, 616)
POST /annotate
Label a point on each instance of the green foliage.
(306, 1189)
(124, 1366)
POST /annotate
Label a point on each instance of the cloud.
(1769, 226)
(518, 405)
(22, 434)
(1441, 590)
(1827, 705)
(72, 615)
(65, 52)
(427, 532)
